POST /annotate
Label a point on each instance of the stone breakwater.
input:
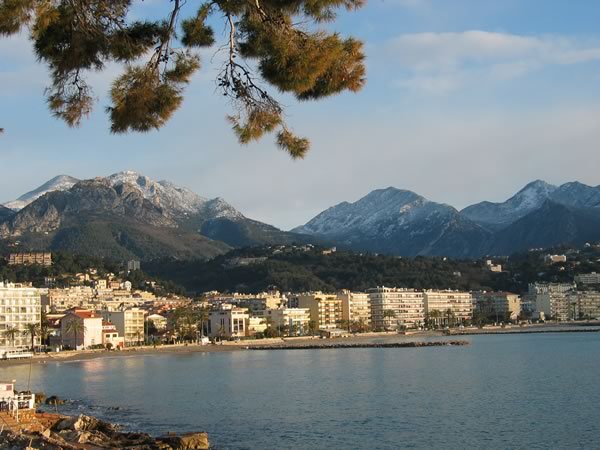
(570, 330)
(325, 346)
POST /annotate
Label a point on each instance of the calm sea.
(501, 392)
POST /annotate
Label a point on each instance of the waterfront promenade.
(364, 339)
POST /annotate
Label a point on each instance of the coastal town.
(104, 312)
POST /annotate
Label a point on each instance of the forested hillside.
(296, 270)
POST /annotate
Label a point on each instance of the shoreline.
(410, 339)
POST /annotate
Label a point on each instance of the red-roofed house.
(86, 331)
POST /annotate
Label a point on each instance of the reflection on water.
(530, 391)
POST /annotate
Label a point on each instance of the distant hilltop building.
(41, 258)
(493, 267)
(240, 262)
(588, 278)
(133, 265)
(553, 259)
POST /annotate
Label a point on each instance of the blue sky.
(466, 100)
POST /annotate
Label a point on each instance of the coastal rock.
(85, 423)
(54, 400)
(40, 397)
(85, 432)
(187, 441)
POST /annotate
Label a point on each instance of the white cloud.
(441, 62)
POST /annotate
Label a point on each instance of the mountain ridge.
(128, 213)
(402, 222)
(131, 214)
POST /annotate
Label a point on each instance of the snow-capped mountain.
(217, 208)
(577, 194)
(58, 183)
(404, 223)
(391, 206)
(398, 221)
(174, 199)
(496, 216)
(130, 215)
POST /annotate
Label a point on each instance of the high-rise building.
(588, 278)
(448, 307)
(393, 307)
(356, 307)
(296, 320)
(129, 323)
(19, 306)
(555, 300)
(325, 309)
(588, 305)
(498, 305)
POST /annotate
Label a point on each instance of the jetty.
(324, 346)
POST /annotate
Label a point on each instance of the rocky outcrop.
(187, 441)
(86, 198)
(53, 400)
(86, 432)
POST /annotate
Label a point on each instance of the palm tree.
(138, 334)
(344, 324)
(313, 326)
(190, 321)
(44, 328)
(433, 317)
(33, 330)
(75, 327)
(388, 313)
(11, 333)
(271, 331)
(203, 317)
(221, 333)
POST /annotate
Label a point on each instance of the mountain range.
(400, 222)
(128, 215)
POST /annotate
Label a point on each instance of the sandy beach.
(225, 346)
(309, 342)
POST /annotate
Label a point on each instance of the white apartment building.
(227, 321)
(356, 307)
(87, 332)
(588, 278)
(394, 307)
(159, 322)
(500, 305)
(59, 300)
(295, 319)
(325, 310)
(448, 307)
(129, 323)
(19, 306)
(555, 300)
(588, 305)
